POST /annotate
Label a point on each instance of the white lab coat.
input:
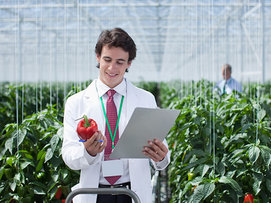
(75, 156)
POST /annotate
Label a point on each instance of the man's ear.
(129, 64)
(98, 58)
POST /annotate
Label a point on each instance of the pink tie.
(111, 113)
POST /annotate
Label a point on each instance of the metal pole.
(227, 41)
(263, 40)
(115, 191)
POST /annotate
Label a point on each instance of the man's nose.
(112, 66)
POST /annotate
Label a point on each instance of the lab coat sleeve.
(74, 153)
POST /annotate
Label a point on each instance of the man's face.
(113, 64)
(226, 73)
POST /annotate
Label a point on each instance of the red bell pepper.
(58, 193)
(248, 198)
(86, 128)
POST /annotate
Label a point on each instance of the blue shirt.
(231, 84)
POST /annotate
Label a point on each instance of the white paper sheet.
(112, 168)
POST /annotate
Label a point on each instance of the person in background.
(110, 94)
(228, 84)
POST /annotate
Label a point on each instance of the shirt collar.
(103, 88)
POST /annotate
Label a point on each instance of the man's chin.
(113, 82)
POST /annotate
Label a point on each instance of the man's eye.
(120, 62)
(107, 60)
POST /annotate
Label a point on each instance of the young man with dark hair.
(108, 99)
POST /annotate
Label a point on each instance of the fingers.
(101, 142)
(95, 144)
(151, 154)
(156, 150)
(159, 144)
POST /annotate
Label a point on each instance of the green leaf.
(197, 195)
(202, 192)
(1, 188)
(12, 185)
(261, 114)
(26, 154)
(9, 145)
(205, 169)
(49, 154)
(268, 184)
(39, 191)
(235, 186)
(238, 138)
(55, 177)
(220, 168)
(39, 188)
(64, 173)
(17, 177)
(186, 188)
(54, 141)
(60, 132)
(257, 178)
(2, 169)
(208, 189)
(253, 153)
(40, 164)
(40, 154)
(232, 121)
(200, 161)
(266, 156)
(25, 164)
(21, 135)
(245, 127)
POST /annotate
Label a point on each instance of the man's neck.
(227, 80)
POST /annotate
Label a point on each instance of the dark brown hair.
(227, 66)
(116, 37)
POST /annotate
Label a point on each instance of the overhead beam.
(180, 4)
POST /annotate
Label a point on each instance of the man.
(228, 84)
(115, 51)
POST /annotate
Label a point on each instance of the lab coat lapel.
(93, 106)
(131, 100)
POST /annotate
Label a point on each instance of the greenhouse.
(208, 59)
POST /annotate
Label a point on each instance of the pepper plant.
(30, 98)
(220, 147)
(32, 169)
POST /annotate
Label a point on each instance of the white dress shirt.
(120, 91)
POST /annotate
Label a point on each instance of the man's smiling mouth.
(112, 75)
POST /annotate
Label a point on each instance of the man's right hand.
(94, 145)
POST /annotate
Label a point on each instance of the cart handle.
(114, 191)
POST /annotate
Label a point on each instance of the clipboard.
(145, 124)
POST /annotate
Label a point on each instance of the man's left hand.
(156, 150)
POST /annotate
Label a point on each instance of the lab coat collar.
(91, 92)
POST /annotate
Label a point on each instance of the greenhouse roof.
(176, 39)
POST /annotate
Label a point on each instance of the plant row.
(221, 145)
